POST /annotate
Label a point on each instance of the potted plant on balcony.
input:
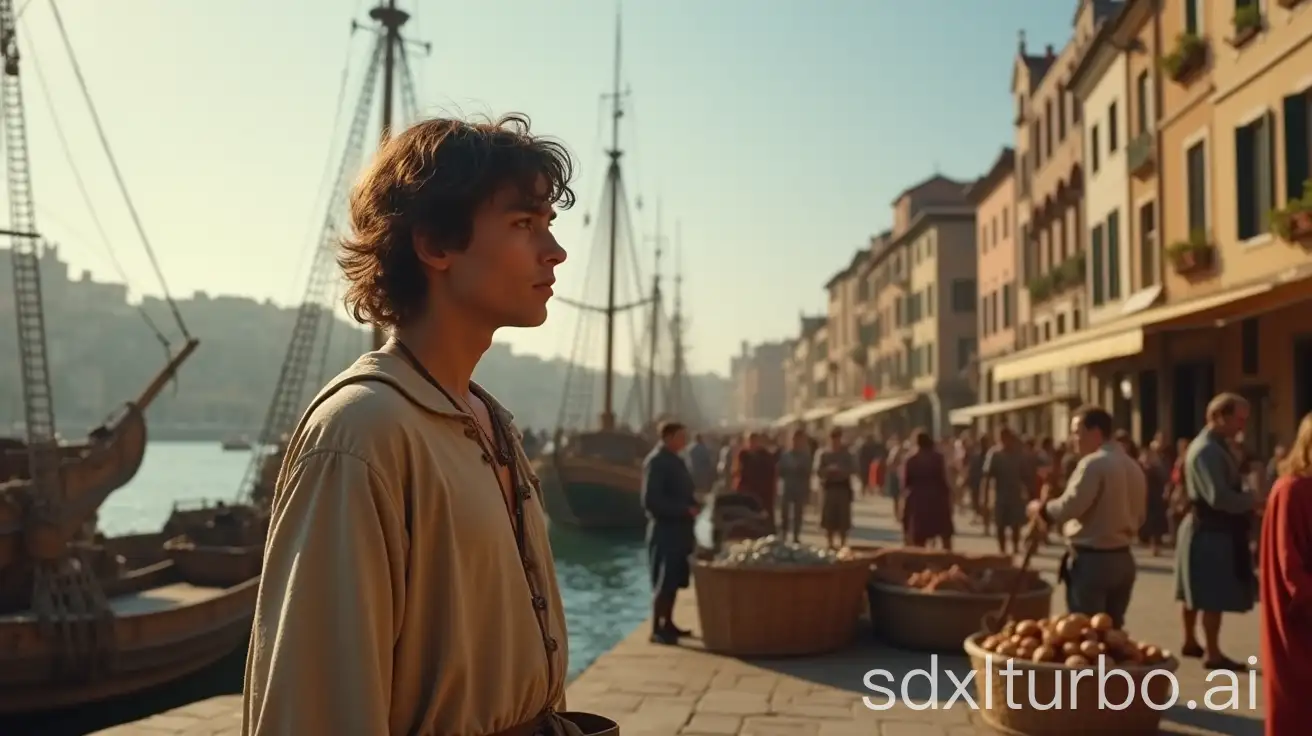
(1193, 255)
(1187, 57)
(1293, 222)
(1041, 287)
(1247, 21)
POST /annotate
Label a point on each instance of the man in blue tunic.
(668, 495)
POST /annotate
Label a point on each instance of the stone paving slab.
(654, 690)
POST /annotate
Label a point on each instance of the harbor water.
(603, 580)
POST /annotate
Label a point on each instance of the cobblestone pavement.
(667, 691)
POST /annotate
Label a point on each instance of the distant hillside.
(103, 353)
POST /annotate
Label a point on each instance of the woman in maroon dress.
(926, 495)
(1285, 574)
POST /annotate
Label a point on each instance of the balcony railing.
(1141, 154)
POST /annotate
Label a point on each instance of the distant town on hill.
(103, 353)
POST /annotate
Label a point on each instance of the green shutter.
(1114, 255)
(1097, 266)
(1296, 145)
(1245, 165)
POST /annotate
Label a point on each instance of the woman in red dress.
(1285, 574)
(927, 496)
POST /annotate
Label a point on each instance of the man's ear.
(428, 250)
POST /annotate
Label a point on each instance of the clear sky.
(775, 132)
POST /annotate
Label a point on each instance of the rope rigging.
(96, 222)
(286, 405)
(118, 174)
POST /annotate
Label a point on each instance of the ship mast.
(391, 20)
(676, 328)
(388, 59)
(655, 321)
(613, 184)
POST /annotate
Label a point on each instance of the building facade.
(922, 333)
(1217, 160)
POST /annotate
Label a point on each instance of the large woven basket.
(939, 620)
(1080, 712)
(779, 611)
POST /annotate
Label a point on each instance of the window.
(1006, 218)
(1061, 113)
(1254, 177)
(1113, 129)
(929, 300)
(1196, 179)
(1099, 296)
(929, 358)
(1027, 251)
(993, 310)
(1193, 17)
(1061, 325)
(963, 295)
(1047, 119)
(965, 351)
(1298, 143)
(1143, 101)
(1093, 149)
(1008, 300)
(1114, 256)
(1147, 245)
(993, 232)
(984, 326)
(1036, 141)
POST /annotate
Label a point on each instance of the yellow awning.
(861, 412)
(784, 420)
(963, 417)
(1118, 339)
(818, 413)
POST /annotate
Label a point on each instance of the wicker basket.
(779, 611)
(1079, 711)
(938, 621)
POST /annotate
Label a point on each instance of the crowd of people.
(1234, 523)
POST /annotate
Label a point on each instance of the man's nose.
(555, 254)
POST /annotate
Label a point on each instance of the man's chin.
(530, 318)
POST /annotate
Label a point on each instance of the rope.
(118, 174)
(82, 190)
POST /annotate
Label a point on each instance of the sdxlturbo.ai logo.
(1058, 687)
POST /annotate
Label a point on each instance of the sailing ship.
(84, 617)
(87, 617)
(591, 479)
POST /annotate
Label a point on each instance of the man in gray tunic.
(1100, 512)
(835, 468)
(1007, 473)
(795, 482)
(1213, 562)
(669, 498)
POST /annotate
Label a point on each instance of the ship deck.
(141, 603)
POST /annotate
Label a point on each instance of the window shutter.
(1267, 167)
(1296, 145)
(1245, 205)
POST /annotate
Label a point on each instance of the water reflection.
(606, 591)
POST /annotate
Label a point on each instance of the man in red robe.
(756, 473)
(1285, 574)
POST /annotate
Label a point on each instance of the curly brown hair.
(435, 176)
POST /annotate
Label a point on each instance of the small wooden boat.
(235, 444)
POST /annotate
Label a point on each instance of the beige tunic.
(394, 599)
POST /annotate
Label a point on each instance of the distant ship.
(239, 443)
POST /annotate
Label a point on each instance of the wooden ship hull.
(160, 627)
(588, 493)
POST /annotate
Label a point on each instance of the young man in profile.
(408, 584)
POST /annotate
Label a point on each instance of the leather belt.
(532, 727)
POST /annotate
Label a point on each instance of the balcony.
(1064, 277)
(1141, 154)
